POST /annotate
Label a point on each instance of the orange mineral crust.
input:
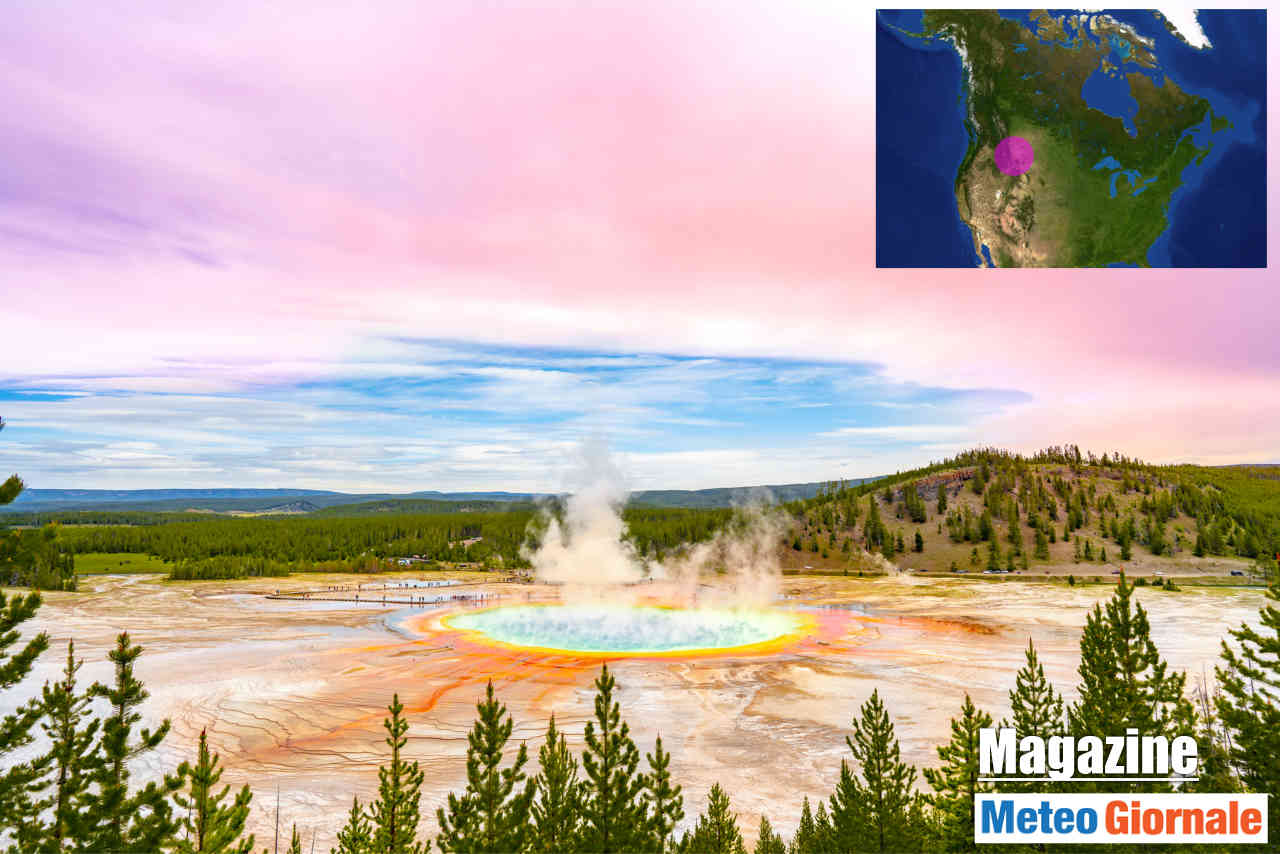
(294, 690)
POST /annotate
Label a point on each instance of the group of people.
(413, 600)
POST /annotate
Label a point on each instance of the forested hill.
(1056, 511)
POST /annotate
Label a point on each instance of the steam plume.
(585, 547)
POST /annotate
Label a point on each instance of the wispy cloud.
(469, 419)
(905, 432)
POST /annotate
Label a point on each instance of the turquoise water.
(612, 628)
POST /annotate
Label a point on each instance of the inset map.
(1070, 139)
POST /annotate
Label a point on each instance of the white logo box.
(1161, 818)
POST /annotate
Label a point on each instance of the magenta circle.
(1014, 155)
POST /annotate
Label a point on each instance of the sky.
(304, 245)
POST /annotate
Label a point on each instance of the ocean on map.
(1218, 216)
(920, 141)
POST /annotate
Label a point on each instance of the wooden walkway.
(395, 594)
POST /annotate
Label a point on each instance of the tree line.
(220, 547)
(79, 793)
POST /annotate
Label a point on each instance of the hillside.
(1059, 513)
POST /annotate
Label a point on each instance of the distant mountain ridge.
(232, 500)
(224, 500)
(727, 496)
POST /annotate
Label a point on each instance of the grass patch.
(100, 563)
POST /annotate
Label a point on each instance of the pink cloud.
(242, 182)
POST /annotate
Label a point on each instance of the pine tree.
(1037, 708)
(395, 813)
(1248, 707)
(919, 542)
(211, 825)
(873, 528)
(1158, 541)
(769, 842)
(716, 831)
(942, 498)
(886, 785)
(295, 844)
(15, 728)
(805, 840)
(1214, 768)
(822, 829)
(663, 800)
(1124, 682)
(123, 820)
(848, 811)
(1042, 545)
(70, 762)
(554, 811)
(10, 489)
(955, 783)
(492, 815)
(1015, 535)
(614, 818)
(356, 836)
(980, 477)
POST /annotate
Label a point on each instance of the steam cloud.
(585, 547)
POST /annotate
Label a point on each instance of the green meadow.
(101, 563)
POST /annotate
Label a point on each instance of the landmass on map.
(1099, 190)
(1185, 24)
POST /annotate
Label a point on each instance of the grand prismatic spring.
(293, 690)
(613, 630)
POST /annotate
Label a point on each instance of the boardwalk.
(410, 593)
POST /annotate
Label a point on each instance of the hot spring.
(627, 630)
